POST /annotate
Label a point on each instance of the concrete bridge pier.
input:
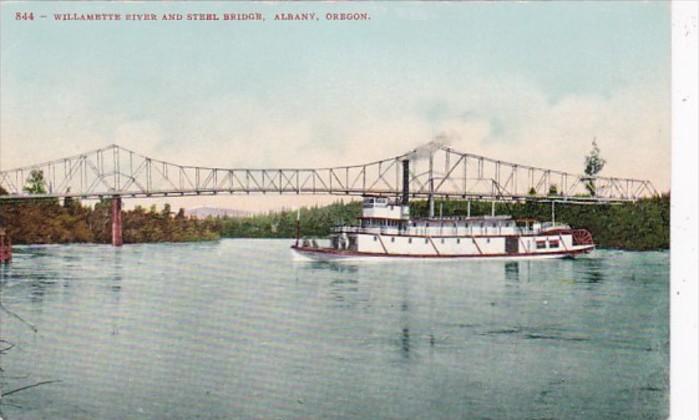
(116, 221)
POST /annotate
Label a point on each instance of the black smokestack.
(406, 182)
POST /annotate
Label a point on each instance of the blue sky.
(531, 82)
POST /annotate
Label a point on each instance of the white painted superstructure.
(386, 230)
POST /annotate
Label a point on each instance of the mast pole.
(298, 226)
(431, 185)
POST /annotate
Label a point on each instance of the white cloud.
(508, 120)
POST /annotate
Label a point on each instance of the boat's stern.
(582, 241)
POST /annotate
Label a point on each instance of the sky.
(528, 82)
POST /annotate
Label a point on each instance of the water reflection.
(4, 274)
(333, 266)
(116, 280)
(405, 314)
(40, 284)
(345, 291)
(591, 270)
(116, 277)
(512, 271)
(405, 343)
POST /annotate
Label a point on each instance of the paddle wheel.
(582, 237)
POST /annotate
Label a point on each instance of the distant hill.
(204, 212)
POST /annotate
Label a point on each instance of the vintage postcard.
(335, 210)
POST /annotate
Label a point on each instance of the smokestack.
(430, 198)
(406, 182)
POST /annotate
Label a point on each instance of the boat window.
(410, 240)
(426, 240)
(393, 238)
(540, 244)
(458, 240)
(553, 244)
(487, 241)
(494, 225)
(465, 224)
(442, 240)
(482, 224)
(376, 238)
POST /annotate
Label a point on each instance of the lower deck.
(552, 245)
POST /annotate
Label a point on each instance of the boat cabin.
(384, 208)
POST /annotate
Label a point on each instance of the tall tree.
(35, 183)
(593, 165)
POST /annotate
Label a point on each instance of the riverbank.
(643, 225)
(48, 222)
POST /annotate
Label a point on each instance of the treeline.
(643, 225)
(314, 222)
(46, 221)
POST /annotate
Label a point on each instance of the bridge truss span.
(435, 171)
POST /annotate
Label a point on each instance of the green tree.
(165, 212)
(593, 165)
(35, 183)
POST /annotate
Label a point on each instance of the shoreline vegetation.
(643, 225)
(639, 226)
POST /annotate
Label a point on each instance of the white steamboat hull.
(331, 254)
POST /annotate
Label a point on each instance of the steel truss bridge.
(435, 171)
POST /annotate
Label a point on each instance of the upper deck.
(382, 216)
(448, 226)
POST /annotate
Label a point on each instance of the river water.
(236, 329)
